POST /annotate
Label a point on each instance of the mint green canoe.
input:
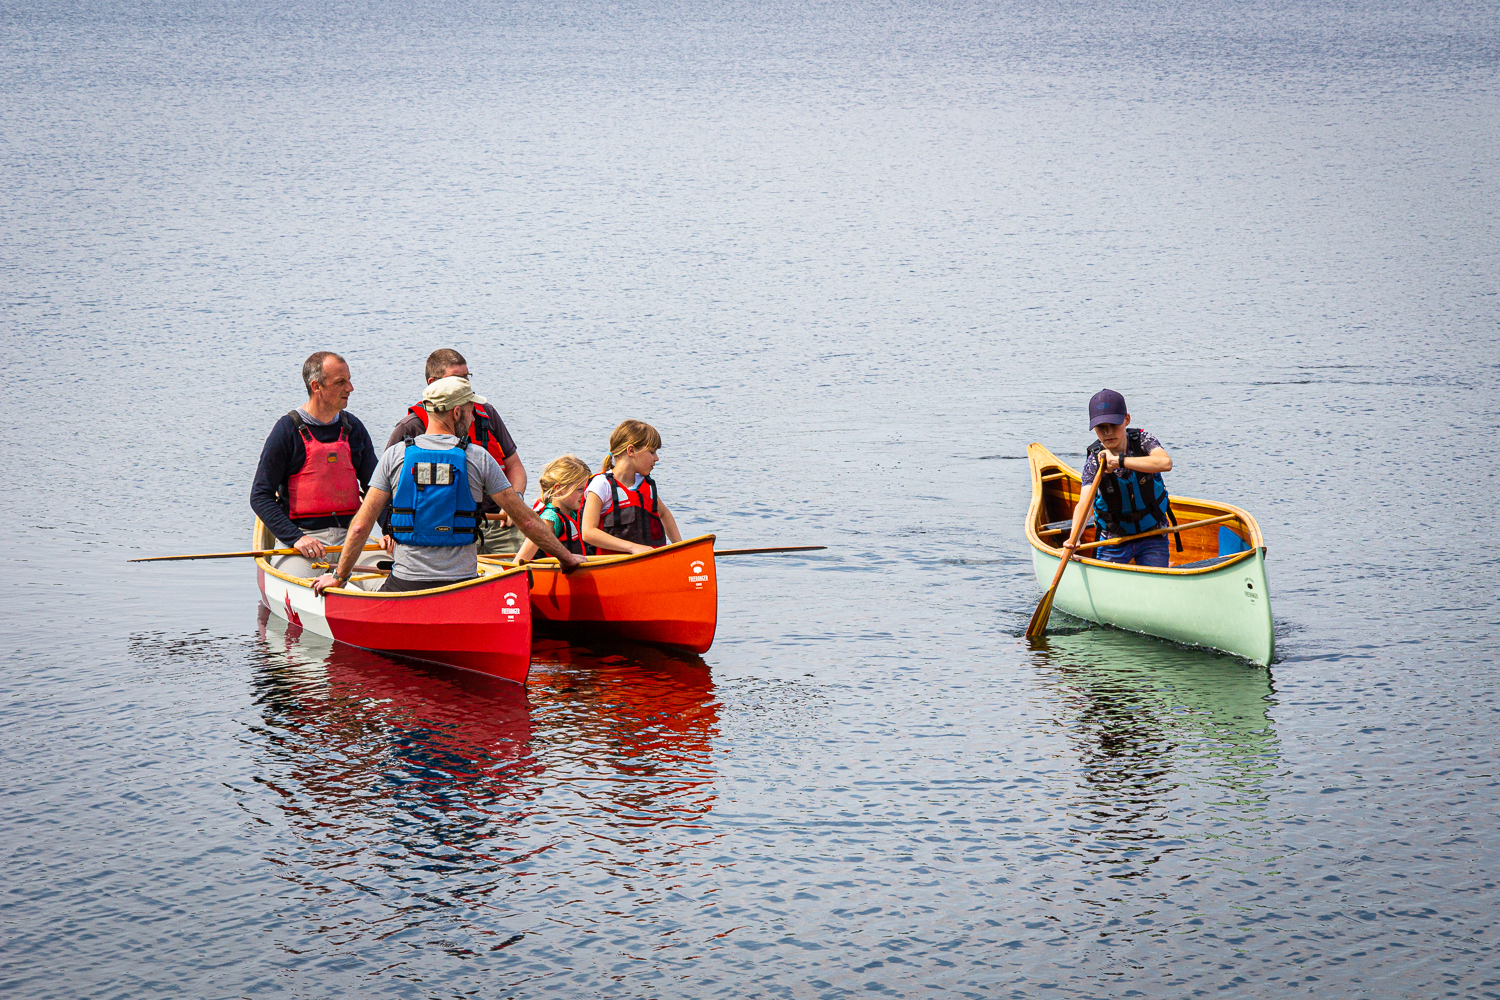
(1212, 594)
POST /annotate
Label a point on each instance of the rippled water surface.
(849, 259)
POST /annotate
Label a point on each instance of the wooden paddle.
(1038, 626)
(243, 555)
(620, 555)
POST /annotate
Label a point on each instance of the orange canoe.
(669, 595)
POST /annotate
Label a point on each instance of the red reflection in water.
(634, 724)
(629, 728)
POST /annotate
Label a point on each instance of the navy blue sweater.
(283, 455)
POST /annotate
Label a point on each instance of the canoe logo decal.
(291, 615)
(510, 605)
(1250, 592)
(697, 577)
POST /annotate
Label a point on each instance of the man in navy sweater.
(315, 464)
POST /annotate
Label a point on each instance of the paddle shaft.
(717, 553)
(243, 555)
(1038, 625)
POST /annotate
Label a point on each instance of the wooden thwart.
(1185, 526)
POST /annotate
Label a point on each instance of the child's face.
(571, 499)
(645, 459)
(1112, 436)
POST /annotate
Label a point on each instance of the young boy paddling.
(1132, 497)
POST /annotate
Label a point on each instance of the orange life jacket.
(632, 514)
(572, 525)
(482, 432)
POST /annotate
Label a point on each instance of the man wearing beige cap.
(436, 481)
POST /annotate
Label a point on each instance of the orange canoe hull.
(669, 596)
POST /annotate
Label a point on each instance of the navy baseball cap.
(1107, 407)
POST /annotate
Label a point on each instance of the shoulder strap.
(1096, 447)
(480, 429)
(300, 425)
(1133, 443)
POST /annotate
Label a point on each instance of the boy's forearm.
(1148, 463)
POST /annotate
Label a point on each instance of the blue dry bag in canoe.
(1230, 543)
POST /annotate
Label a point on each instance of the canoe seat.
(1055, 526)
(1201, 563)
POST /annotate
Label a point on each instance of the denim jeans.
(1144, 552)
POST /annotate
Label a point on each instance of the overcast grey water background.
(849, 259)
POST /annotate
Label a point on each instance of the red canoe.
(482, 624)
(669, 595)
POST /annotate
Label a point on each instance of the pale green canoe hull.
(1227, 609)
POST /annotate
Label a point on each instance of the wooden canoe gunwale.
(612, 559)
(1040, 457)
(488, 573)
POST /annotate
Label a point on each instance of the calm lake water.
(849, 259)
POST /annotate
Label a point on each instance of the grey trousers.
(500, 539)
(295, 565)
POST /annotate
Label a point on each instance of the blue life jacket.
(432, 504)
(1128, 502)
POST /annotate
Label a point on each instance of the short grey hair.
(312, 368)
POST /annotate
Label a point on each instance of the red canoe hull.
(483, 626)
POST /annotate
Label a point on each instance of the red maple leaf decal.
(291, 615)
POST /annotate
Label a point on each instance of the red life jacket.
(327, 484)
(572, 525)
(482, 432)
(632, 514)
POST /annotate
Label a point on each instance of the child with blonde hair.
(563, 482)
(621, 518)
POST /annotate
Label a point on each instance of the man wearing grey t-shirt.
(450, 404)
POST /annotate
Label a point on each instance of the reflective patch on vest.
(433, 474)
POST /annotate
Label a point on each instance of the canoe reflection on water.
(636, 722)
(401, 777)
(369, 739)
(1160, 733)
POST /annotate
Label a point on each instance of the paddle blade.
(1038, 626)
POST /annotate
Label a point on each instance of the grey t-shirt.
(439, 562)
